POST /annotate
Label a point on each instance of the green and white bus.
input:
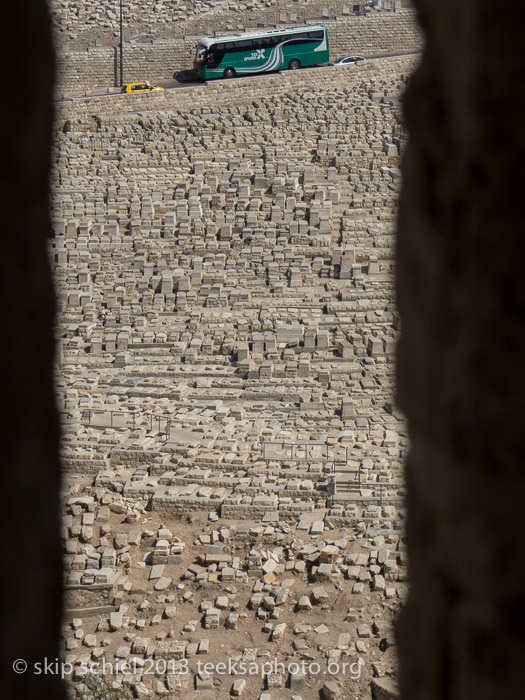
(261, 52)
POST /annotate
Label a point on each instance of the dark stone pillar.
(30, 584)
(461, 363)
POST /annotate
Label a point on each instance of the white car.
(346, 60)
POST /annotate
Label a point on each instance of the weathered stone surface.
(163, 583)
(330, 691)
(384, 689)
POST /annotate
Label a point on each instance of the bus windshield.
(199, 54)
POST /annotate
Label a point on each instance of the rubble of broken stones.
(264, 606)
(232, 457)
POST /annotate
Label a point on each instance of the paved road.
(185, 79)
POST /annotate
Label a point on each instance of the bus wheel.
(294, 64)
(229, 73)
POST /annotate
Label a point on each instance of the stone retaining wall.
(83, 465)
(217, 92)
(251, 512)
(177, 504)
(98, 594)
(132, 458)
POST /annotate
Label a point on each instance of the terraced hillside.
(223, 255)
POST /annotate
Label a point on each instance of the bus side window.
(245, 45)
